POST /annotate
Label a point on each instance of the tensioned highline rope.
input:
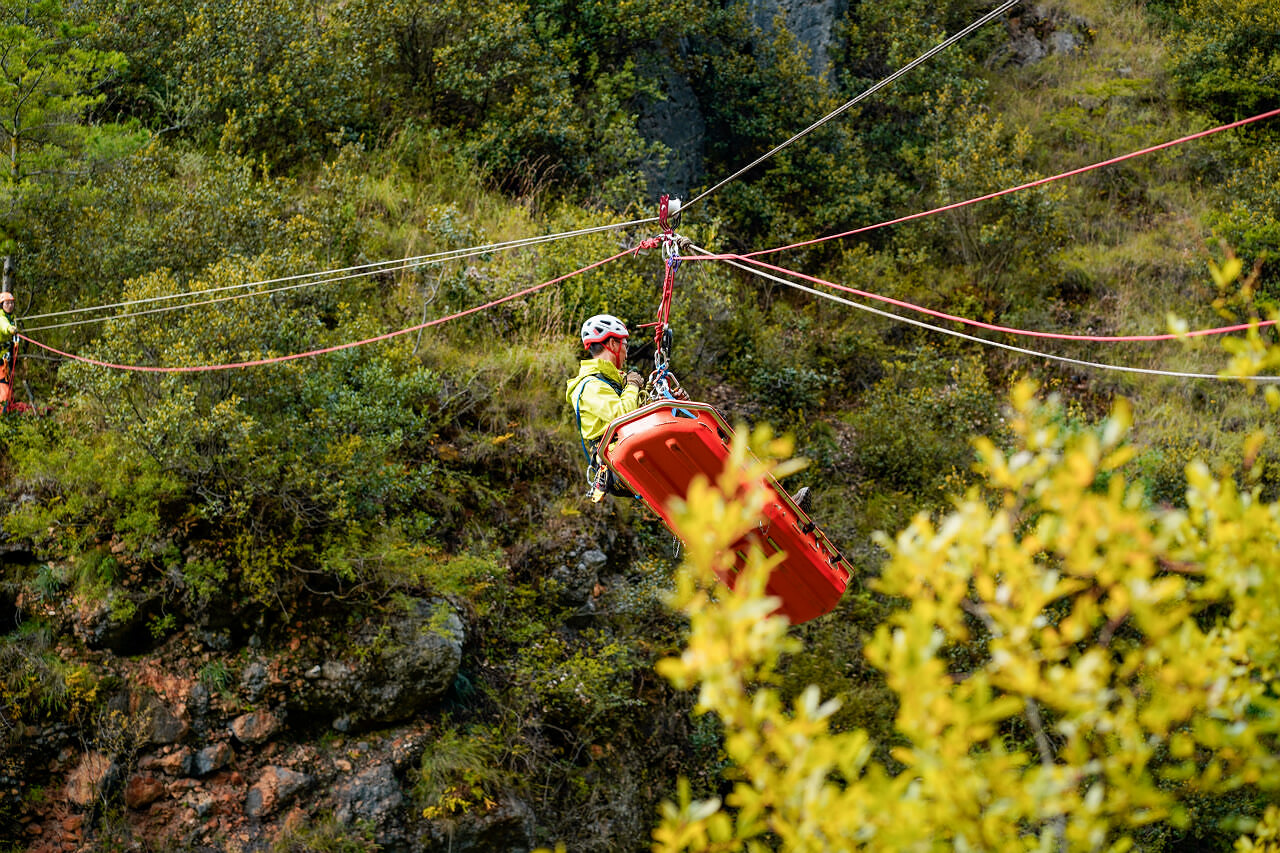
(323, 350)
(363, 269)
(216, 300)
(1048, 356)
(991, 327)
(410, 263)
(985, 19)
(1028, 185)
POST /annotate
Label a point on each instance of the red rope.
(668, 279)
(664, 304)
(992, 327)
(1029, 185)
(278, 359)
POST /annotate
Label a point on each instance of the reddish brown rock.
(176, 763)
(255, 727)
(90, 776)
(142, 790)
(273, 789)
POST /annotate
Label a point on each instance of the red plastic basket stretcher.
(658, 449)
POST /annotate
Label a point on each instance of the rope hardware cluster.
(597, 471)
(659, 383)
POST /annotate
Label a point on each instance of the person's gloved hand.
(635, 379)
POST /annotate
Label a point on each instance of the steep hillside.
(356, 599)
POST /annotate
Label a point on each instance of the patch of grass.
(216, 676)
(456, 775)
(327, 835)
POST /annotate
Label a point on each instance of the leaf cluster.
(1070, 664)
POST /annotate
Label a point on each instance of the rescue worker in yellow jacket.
(600, 392)
(8, 326)
(8, 349)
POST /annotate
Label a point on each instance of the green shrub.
(580, 685)
(1225, 55)
(913, 427)
(787, 390)
(1250, 227)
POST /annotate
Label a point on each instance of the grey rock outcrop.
(812, 22)
(579, 575)
(373, 795)
(1040, 31)
(677, 122)
(402, 666)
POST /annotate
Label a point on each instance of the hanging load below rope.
(658, 450)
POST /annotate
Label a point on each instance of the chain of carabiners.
(659, 384)
(662, 328)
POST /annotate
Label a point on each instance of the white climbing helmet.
(601, 327)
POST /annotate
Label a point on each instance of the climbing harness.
(598, 473)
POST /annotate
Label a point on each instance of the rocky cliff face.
(678, 121)
(210, 751)
(812, 22)
(248, 729)
(1035, 32)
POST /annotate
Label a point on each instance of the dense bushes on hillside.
(224, 150)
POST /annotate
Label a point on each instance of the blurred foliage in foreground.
(1074, 668)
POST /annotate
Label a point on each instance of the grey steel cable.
(327, 276)
(983, 21)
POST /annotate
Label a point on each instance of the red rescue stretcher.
(659, 448)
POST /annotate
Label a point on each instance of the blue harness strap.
(589, 452)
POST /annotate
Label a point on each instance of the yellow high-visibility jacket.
(598, 394)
